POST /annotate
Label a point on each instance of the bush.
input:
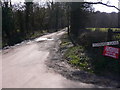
(87, 38)
(88, 58)
(100, 64)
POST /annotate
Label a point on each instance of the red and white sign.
(111, 52)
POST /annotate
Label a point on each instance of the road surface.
(24, 66)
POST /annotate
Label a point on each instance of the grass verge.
(90, 59)
(75, 55)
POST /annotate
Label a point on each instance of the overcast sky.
(103, 8)
(97, 7)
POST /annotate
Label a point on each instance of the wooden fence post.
(109, 35)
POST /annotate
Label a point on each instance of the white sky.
(103, 8)
(97, 7)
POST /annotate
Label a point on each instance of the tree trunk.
(119, 19)
(75, 18)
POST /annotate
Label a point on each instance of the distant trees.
(20, 21)
(82, 16)
(117, 8)
(56, 14)
(103, 20)
(7, 23)
(28, 16)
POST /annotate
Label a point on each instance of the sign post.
(105, 43)
(108, 50)
(111, 52)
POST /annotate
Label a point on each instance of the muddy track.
(26, 65)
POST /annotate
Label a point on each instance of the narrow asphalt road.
(24, 66)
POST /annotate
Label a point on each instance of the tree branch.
(103, 4)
